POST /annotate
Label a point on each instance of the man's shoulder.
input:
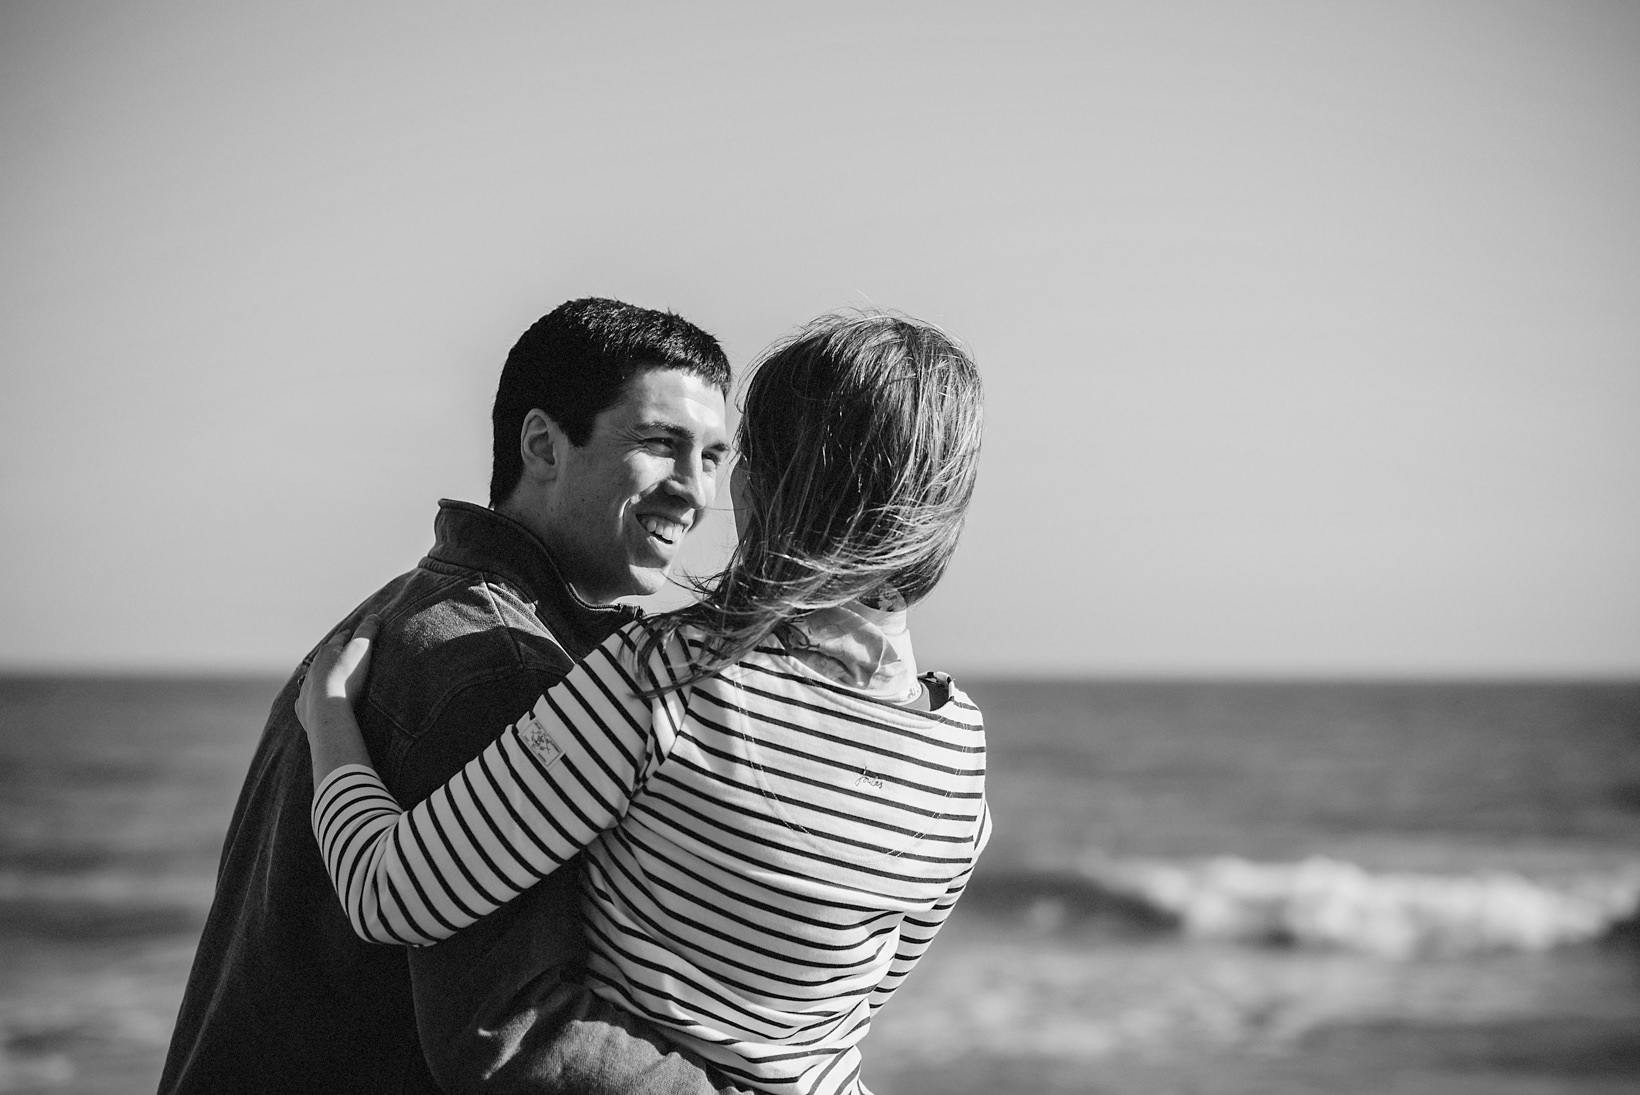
(445, 630)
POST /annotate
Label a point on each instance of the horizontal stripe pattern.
(768, 853)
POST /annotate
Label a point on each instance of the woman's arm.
(562, 774)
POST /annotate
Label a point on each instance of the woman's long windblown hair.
(859, 441)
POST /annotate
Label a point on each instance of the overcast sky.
(1311, 331)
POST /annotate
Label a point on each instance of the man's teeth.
(662, 529)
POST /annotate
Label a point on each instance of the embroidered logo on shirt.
(538, 740)
(875, 782)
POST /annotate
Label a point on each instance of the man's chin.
(648, 581)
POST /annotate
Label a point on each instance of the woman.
(777, 810)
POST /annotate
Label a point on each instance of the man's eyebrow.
(661, 425)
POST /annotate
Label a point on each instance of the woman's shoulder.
(654, 651)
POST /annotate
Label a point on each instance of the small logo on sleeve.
(538, 739)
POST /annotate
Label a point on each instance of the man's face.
(625, 500)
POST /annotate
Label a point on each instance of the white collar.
(862, 647)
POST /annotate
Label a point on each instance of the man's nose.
(693, 481)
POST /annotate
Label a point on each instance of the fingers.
(358, 645)
(341, 638)
(337, 671)
(337, 666)
(328, 654)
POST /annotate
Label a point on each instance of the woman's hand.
(334, 682)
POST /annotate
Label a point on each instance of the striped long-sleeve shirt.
(768, 852)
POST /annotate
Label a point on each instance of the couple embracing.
(502, 833)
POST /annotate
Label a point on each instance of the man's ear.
(541, 445)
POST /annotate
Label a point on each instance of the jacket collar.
(476, 538)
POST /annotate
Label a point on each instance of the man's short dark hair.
(575, 362)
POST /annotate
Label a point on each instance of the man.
(609, 432)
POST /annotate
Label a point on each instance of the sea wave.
(1331, 903)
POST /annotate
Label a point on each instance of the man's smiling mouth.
(666, 531)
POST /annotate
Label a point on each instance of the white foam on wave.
(1332, 903)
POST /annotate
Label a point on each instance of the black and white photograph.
(899, 548)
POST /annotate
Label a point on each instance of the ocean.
(1194, 887)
